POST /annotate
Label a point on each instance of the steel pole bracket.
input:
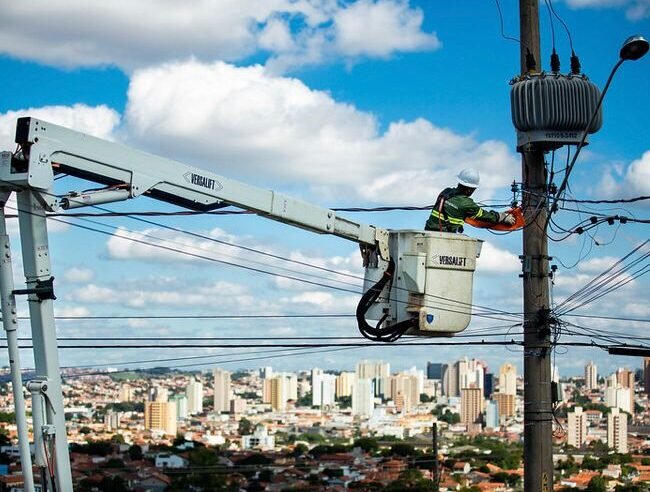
(44, 290)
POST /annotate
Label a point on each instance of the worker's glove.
(507, 218)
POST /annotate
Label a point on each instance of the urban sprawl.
(454, 426)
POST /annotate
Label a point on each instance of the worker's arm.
(473, 211)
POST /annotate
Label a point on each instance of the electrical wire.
(449, 302)
(503, 34)
(568, 33)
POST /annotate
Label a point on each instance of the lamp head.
(634, 48)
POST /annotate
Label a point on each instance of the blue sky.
(359, 104)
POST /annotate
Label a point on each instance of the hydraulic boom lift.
(416, 282)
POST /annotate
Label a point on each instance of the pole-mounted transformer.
(550, 110)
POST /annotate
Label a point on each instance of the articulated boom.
(416, 282)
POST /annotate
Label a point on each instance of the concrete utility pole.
(538, 407)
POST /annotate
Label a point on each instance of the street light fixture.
(633, 48)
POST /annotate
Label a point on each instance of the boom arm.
(48, 147)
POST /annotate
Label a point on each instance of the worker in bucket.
(454, 205)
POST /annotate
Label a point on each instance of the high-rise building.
(158, 393)
(112, 420)
(323, 388)
(363, 398)
(378, 371)
(237, 406)
(344, 383)
(617, 431)
(488, 384)
(266, 372)
(471, 405)
(194, 393)
(221, 390)
(577, 428)
(505, 403)
(591, 376)
(508, 379)
(450, 381)
(181, 406)
(646, 375)
(126, 392)
(471, 373)
(279, 389)
(435, 370)
(160, 416)
(406, 387)
(492, 415)
(625, 378)
(279, 392)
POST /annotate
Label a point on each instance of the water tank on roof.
(550, 110)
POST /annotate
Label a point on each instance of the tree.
(344, 401)
(400, 449)
(117, 439)
(299, 450)
(450, 417)
(597, 484)
(135, 452)
(245, 427)
(112, 484)
(368, 444)
(304, 400)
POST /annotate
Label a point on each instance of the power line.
(488, 312)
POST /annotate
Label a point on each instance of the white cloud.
(379, 28)
(496, 260)
(634, 9)
(244, 120)
(99, 121)
(135, 34)
(231, 295)
(78, 275)
(73, 311)
(630, 181)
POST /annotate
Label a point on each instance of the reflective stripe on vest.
(436, 215)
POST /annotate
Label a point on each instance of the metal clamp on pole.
(44, 290)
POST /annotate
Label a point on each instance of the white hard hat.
(469, 177)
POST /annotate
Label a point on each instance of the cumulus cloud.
(246, 121)
(78, 275)
(497, 260)
(634, 9)
(380, 28)
(127, 34)
(630, 181)
(230, 294)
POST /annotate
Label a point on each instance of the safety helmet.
(469, 177)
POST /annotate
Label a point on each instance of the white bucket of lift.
(433, 282)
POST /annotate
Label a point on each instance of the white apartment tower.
(323, 388)
(194, 393)
(221, 390)
(591, 376)
(378, 371)
(363, 399)
(577, 432)
(617, 430)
